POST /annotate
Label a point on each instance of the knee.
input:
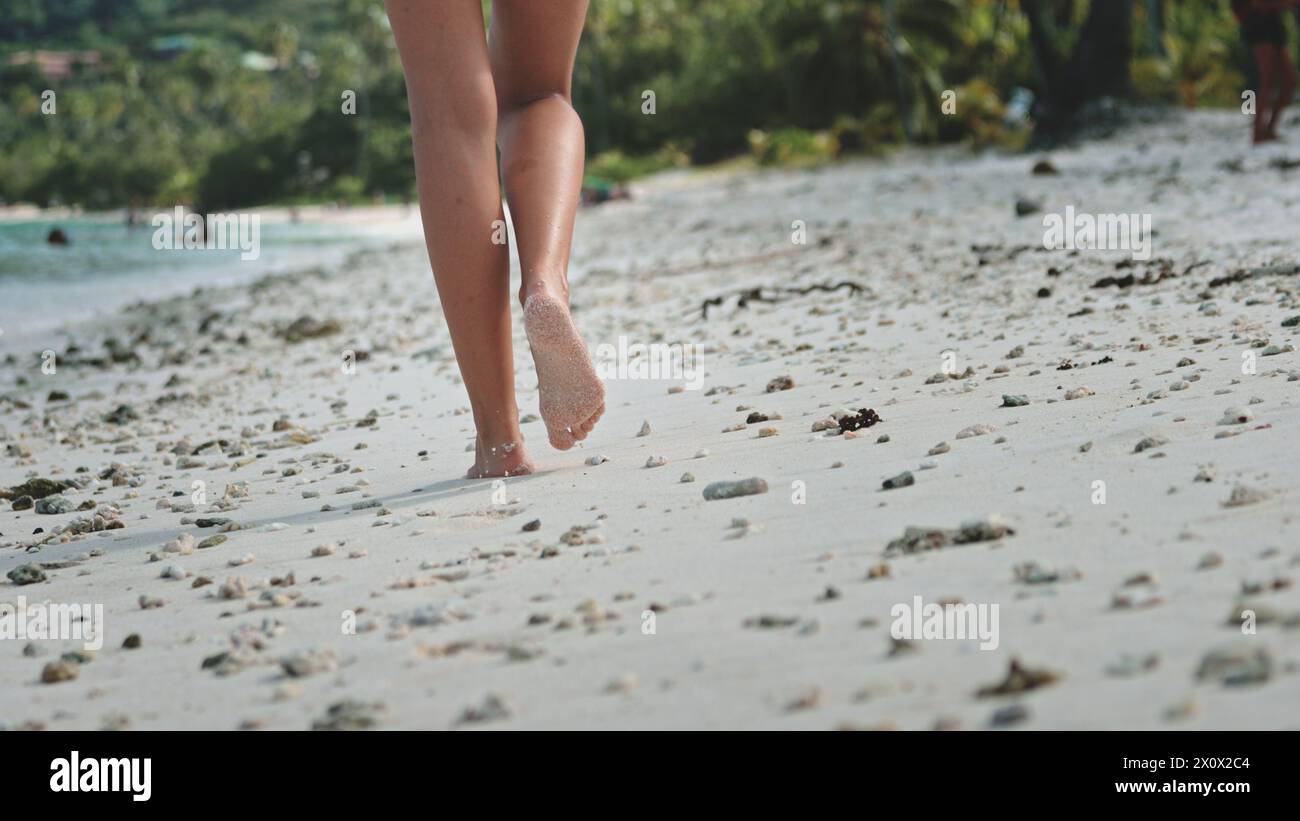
(514, 103)
(466, 108)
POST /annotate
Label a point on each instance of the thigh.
(1285, 68)
(1264, 59)
(444, 55)
(1271, 29)
(532, 44)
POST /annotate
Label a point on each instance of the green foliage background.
(173, 113)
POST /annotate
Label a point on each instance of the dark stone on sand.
(39, 488)
(535, 524)
(1236, 666)
(919, 539)
(1150, 442)
(213, 522)
(864, 418)
(349, 715)
(52, 505)
(220, 444)
(121, 415)
(308, 327)
(57, 671)
(1020, 679)
(1026, 207)
(131, 642)
(769, 621)
(730, 490)
(26, 574)
(23, 503)
(904, 479)
(1009, 715)
(214, 661)
(1126, 281)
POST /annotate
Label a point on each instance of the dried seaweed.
(775, 294)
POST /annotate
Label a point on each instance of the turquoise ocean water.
(107, 264)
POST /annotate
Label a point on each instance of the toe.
(560, 439)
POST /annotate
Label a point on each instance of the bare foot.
(572, 398)
(509, 459)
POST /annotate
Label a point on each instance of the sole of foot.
(572, 397)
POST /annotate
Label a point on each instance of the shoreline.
(284, 252)
(284, 213)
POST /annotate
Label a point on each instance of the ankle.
(498, 438)
(497, 450)
(496, 429)
(553, 290)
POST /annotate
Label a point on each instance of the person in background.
(1263, 26)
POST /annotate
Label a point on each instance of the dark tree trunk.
(1156, 24)
(1049, 60)
(1098, 67)
(891, 29)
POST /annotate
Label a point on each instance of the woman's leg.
(532, 47)
(1264, 94)
(453, 128)
(1286, 81)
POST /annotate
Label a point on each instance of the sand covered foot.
(572, 397)
(509, 459)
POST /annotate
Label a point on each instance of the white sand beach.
(359, 581)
